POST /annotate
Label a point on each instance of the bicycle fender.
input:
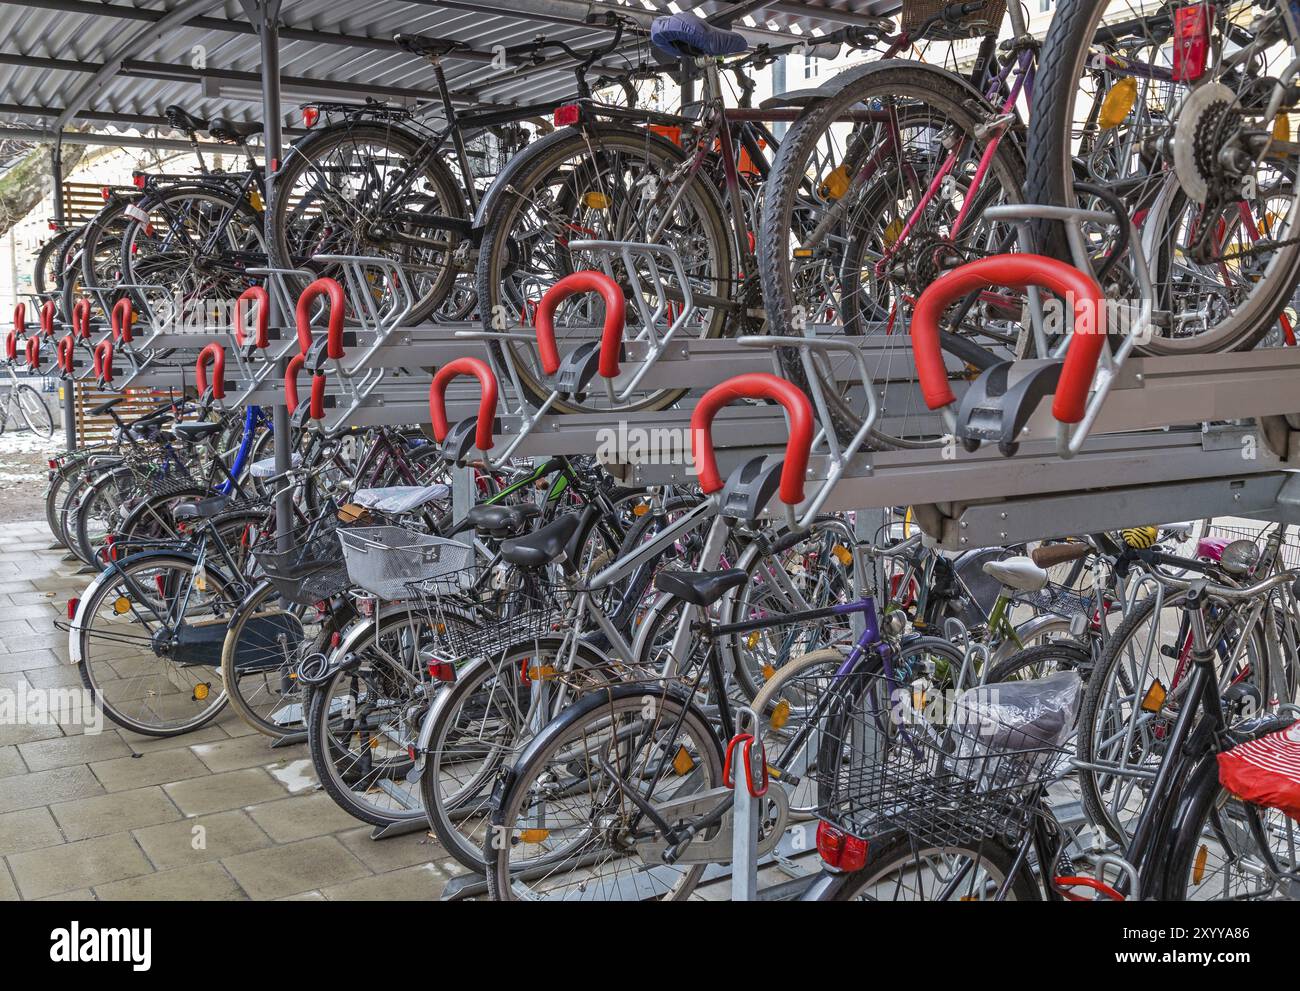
(840, 80)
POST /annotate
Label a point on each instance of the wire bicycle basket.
(312, 570)
(885, 763)
(387, 560)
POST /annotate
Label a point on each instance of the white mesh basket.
(384, 560)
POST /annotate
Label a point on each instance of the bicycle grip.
(81, 318)
(334, 334)
(755, 385)
(103, 360)
(48, 310)
(611, 335)
(487, 404)
(215, 355)
(1014, 272)
(34, 353)
(261, 314)
(122, 319)
(1048, 555)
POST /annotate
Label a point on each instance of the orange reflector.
(1154, 699)
(842, 554)
(780, 715)
(682, 763)
(1198, 869)
(200, 692)
(533, 835)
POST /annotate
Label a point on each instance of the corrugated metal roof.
(51, 48)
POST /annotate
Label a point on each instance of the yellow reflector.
(1198, 869)
(803, 252)
(200, 692)
(1282, 127)
(893, 232)
(751, 641)
(596, 201)
(543, 673)
(918, 698)
(836, 184)
(533, 835)
(121, 605)
(255, 198)
(842, 554)
(1119, 101)
(201, 581)
(682, 763)
(780, 715)
(768, 670)
(1154, 699)
(640, 509)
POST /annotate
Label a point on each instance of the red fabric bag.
(1266, 771)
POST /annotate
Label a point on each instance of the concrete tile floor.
(216, 814)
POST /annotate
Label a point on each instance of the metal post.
(68, 390)
(268, 27)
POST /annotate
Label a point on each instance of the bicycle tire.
(29, 402)
(896, 849)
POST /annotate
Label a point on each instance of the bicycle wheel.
(900, 869)
(35, 413)
(480, 726)
(1131, 703)
(348, 190)
(566, 827)
(147, 642)
(1043, 660)
(1219, 216)
(873, 194)
(1225, 849)
(601, 182)
(195, 246)
(364, 720)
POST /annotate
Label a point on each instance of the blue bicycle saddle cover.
(667, 33)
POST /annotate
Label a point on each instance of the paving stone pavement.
(215, 814)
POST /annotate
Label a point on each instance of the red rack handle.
(755, 385)
(103, 360)
(63, 352)
(316, 402)
(261, 302)
(1064, 884)
(48, 310)
(487, 403)
(81, 318)
(11, 344)
(611, 336)
(20, 318)
(215, 355)
(1014, 272)
(334, 339)
(34, 353)
(122, 319)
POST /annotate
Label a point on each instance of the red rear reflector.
(139, 179)
(310, 115)
(567, 115)
(1192, 26)
(336, 638)
(158, 582)
(840, 850)
(54, 465)
(53, 226)
(107, 193)
(72, 608)
(442, 671)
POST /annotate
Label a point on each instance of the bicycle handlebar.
(1014, 272)
(756, 385)
(122, 318)
(261, 315)
(487, 404)
(1231, 592)
(215, 355)
(611, 336)
(334, 339)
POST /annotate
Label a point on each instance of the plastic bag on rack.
(401, 498)
(1266, 771)
(1010, 732)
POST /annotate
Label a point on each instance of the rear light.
(54, 465)
(1192, 25)
(72, 608)
(567, 115)
(442, 671)
(840, 850)
(106, 192)
(160, 583)
(310, 115)
(53, 226)
(336, 638)
(367, 606)
(138, 178)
